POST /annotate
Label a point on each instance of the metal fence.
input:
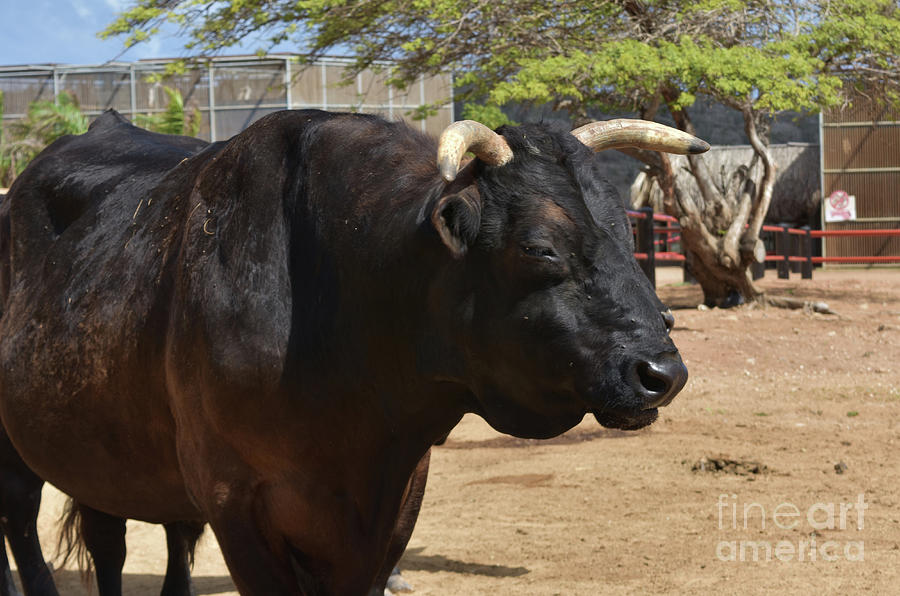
(861, 156)
(230, 93)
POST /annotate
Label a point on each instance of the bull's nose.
(657, 381)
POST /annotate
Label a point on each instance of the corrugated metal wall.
(861, 155)
(244, 89)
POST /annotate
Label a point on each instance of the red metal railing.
(660, 256)
(647, 254)
(833, 233)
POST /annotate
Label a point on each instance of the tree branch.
(731, 243)
(650, 158)
(698, 169)
(766, 186)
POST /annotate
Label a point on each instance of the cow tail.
(186, 534)
(71, 545)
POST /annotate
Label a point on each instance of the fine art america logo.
(752, 519)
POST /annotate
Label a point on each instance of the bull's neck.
(374, 272)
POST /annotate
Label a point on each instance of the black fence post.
(646, 244)
(796, 249)
(807, 270)
(758, 270)
(687, 274)
(783, 249)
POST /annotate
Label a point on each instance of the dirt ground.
(780, 400)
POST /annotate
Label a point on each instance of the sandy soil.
(777, 398)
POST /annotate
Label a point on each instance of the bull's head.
(552, 316)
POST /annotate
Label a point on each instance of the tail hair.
(189, 533)
(71, 545)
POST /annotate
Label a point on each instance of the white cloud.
(148, 49)
(82, 9)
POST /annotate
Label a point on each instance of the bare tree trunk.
(725, 281)
(720, 227)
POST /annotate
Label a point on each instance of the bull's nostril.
(650, 379)
(658, 380)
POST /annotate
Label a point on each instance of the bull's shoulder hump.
(299, 123)
(113, 148)
(109, 119)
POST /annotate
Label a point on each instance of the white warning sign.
(840, 206)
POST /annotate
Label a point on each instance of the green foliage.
(45, 122)
(173, 68)
(765, 56)
(49, 120)
(488, 114)
(174, 120)
(756, 56)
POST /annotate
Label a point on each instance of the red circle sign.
(839, 199)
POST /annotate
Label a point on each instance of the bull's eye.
(540, 264)
(540, 252)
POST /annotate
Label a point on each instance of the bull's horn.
(643, 134)
(468, 135)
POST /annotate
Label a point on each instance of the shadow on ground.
(577, 435)
(414, 560)
(137, 584)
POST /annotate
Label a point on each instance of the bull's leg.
(181, 538)
(253, 567)
(20, 511)
(20, 501)
(406, 522)
(289, 532)
(104, 537)
(257, 556)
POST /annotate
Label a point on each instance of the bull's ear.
(457, 218)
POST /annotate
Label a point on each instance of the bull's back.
(93, 223)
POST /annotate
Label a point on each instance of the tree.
(756, 57)
(174, 120)
(489, 115)
(46, 121)
(649, 56)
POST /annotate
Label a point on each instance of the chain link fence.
(230, 93)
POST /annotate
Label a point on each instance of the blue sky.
(65, 32)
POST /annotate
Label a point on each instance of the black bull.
(269, 333)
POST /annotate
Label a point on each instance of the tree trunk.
(723, 275)
(723, 285)
(721, 224)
